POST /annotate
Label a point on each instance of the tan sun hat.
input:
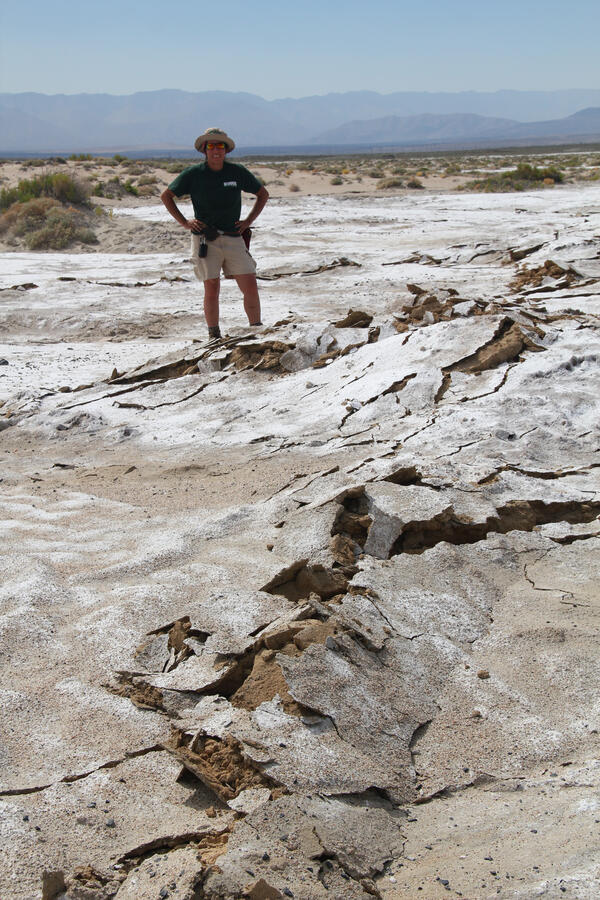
(213, 134)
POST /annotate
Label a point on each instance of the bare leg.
(211, 301)
(249, 288)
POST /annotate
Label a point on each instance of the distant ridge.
(172, 119)
(584, 124)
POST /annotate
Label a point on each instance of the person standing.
(215, 188)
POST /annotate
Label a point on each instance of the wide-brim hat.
(214, 134)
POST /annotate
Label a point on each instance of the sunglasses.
(218, 146)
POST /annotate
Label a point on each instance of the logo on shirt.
(230, 184)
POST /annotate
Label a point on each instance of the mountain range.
(170, 120)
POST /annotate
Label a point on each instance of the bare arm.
(259, 205)
(168, 198)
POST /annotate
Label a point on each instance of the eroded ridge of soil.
(312, 611)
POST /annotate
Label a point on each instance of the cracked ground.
(312, 611)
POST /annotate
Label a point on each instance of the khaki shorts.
(224, 253)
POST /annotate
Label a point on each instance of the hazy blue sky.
(277, 49)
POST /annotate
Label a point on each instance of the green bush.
(415, 183)
(524, 177)
(337, 179)
(80, 157)
(58, 185)
(174, 168)
(131, 188)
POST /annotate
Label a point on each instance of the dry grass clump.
(45, 224)
(388, 183)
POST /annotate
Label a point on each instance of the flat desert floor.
(311, 611)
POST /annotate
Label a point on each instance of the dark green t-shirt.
(216, 196)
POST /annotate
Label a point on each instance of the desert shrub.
(113, 188)
(33, 163)
(130, 188)
(58, 185)
(375, 173)
(119, 159)
(294, 188)
(23, 217)
(337, 179)
(415, 183)
(522, 178)
(387, 183)
(98, 190)
(147, 179)
(80, 157)
(45, 224)
(175, 167)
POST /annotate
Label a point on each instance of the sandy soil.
(282, 180)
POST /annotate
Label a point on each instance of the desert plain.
(311, 611)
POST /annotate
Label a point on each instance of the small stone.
(211, 812)
(26, 818)
(270, 546)
(266, 856)
(476, 714)
(110, 823)
(163, 893)
(483, 674)
(287, 892)
(92, 805)
(3, 362)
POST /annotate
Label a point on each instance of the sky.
(275, 49)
